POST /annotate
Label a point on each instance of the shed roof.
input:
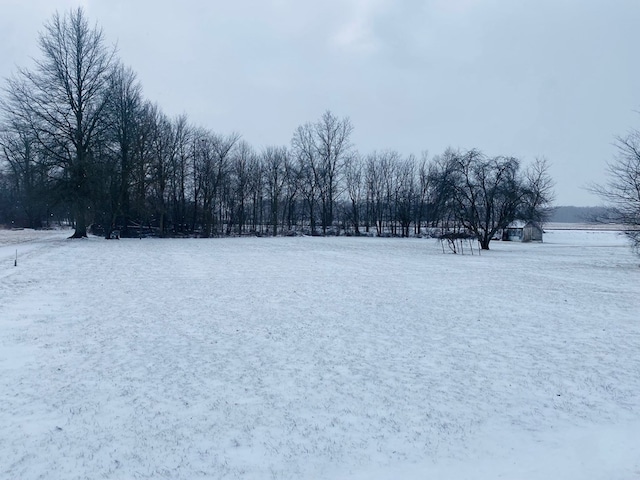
(522, 224)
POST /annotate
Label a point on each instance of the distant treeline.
(80, 144)
(569, 214)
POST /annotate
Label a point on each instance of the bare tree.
(180, 168)
(291, 192)
(63, 99)
(441, 207)
(487, 193)
(390, 161)
(27, 177)
(222, 149)
(333, 143)
(304, 149)
(424, 187)
(204, 179)
(256, 193)
(621, 192)
(241, 164)
(354, 185)
(142, 169)
(125, 111)
(539, 191)
(484, 195)
(274, 161)
(405, 194)
(374, 180)
(321, 148)
(162, 152)
(212, 170)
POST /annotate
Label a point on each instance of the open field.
(327, 358)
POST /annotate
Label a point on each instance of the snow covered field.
(324, 358)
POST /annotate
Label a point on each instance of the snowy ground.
(325, 358)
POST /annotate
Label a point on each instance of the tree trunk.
(80, 220)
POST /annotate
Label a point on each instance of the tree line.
(80, 143)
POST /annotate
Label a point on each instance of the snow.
(326, 358)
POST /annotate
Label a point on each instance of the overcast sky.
(529, 78)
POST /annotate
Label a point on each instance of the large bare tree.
(489, 193)
(621, 192)
(62, 100)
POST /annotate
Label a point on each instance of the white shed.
(521, 231)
